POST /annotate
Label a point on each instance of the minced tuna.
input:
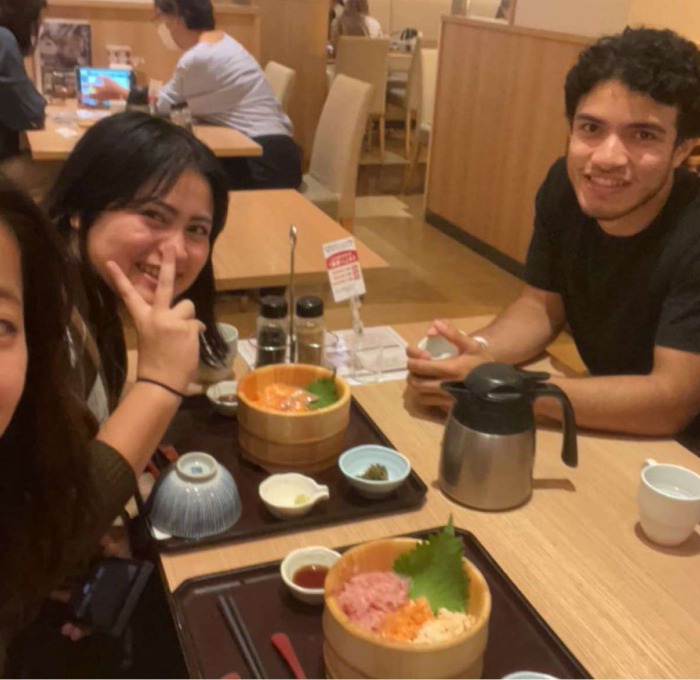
(367, 598)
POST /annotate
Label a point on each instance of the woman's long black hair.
(111, 167)
(45, 485)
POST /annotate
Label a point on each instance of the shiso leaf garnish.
(325, 390)
(434, 568)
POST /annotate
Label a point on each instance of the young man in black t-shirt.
(616, 247)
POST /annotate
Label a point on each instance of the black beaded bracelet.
(160, 384)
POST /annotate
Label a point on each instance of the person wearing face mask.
(222, 84)
(64, 480)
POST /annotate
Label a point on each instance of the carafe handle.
(569, 449)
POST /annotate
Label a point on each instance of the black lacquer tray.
(197, 427)
(519, 639)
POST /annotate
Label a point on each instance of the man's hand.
(426, 374)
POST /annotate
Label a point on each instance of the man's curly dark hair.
(658, 63)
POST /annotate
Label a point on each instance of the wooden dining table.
(63, 129)
(253, 250)
(623, 606)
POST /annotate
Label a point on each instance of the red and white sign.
(344, 271)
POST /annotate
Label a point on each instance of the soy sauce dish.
(224, 397)
(304, 572)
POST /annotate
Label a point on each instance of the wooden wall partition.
(498, 125)
(294, 33)
(131, 23)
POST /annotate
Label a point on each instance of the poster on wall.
(62, 46)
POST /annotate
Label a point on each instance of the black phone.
(106, 600)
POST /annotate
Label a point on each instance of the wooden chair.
(367, 59)
(486, 9)
(331, 182)
(428, 70)
(404, 100)
(282, 80)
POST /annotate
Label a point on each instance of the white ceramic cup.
(211, 374)
(669, 502)
(230, 335)
(438, 347)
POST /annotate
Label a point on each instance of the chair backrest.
(365, 59)
(281, 79)
(336, 154)
(428, 67)
(483, 8)
(414, 79)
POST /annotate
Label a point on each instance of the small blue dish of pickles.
(374, 471)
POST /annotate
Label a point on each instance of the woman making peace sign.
(134, 187)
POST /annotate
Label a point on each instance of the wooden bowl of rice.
(286, 441)
(350, 651)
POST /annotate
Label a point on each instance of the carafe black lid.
(501, 383)
(495, 398)
(273, 307)
(309, 307)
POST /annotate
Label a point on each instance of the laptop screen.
(89, 79)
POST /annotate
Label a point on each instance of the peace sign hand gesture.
(168, 337)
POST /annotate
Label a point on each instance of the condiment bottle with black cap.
(310, 329)
(271, 332)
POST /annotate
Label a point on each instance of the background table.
(253, 249)
(622, 605)
(48, 145)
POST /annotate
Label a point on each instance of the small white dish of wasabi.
(290, 494)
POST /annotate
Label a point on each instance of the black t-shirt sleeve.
(544, 256)
(679, 322)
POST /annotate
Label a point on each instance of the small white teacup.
(211, 374)
(438, 347)
(230, 335)
(669, 502)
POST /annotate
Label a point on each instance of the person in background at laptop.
(21, 106)
(616, 247)
(355, 20)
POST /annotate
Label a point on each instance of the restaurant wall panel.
(680, 15)
(131, 23)
(583, 17)
(294, 33)
(498, 125)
